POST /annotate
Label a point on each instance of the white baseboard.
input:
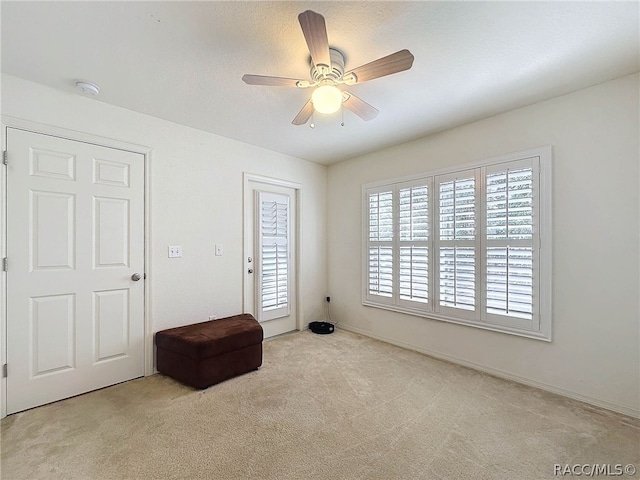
(632, 412)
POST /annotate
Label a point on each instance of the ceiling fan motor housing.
(322, 72)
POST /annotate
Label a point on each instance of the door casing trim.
(9, 122)
(248, 178)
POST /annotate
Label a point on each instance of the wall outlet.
(175, 251)
(213, 317)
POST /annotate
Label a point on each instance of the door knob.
(135, 277)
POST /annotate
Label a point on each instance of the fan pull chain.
(342, 111)
(313, 125)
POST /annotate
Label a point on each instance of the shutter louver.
(457, 209)
(457, 277)
(414, 243)
(457, 243)
(414, 273)
(381, 216)
(380, 259)
(414, 213)
(509, 281)
(274, 251)
(510, 205)
(381, 271)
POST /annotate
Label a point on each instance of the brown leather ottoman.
(203, 354)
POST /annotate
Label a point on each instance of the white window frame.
(540, 325)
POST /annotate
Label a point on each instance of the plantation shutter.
(458, 243)
(380, 243)
(274, 261)
(511, 253)
(470, 246)
(414, 242)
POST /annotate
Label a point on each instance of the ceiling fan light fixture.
(326, 99)
(327, 71)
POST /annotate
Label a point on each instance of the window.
(470, 245)
(273, 246)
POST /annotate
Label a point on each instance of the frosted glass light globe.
(326, 99)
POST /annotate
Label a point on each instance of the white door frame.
(43, 129)
(270, 181)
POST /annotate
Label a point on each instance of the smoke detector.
(88, 87)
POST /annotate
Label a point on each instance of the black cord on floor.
(328, 308)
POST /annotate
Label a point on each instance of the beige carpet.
(338, 406)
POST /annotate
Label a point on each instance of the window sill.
(469, 323)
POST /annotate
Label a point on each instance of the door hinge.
(4, 371)
(5, 157)
(5, 264)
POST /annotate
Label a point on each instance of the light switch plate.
(175, 251)
(218, 250)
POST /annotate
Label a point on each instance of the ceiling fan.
(327, 73)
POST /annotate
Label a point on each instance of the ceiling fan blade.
(315, 33)
(394, 63)
(304, 115)
(360, 107)
(269, 81)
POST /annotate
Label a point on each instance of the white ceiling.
(183, 61)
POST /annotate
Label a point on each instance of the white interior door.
(271, 256)
(75, 240)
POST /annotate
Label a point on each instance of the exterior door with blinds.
(271, 256)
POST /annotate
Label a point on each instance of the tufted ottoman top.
(215, 337)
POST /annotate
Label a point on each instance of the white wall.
(196, 202)
(594, 354)
(196, 186)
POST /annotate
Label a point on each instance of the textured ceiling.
(183, 61)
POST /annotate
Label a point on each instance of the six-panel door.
(75, 237)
